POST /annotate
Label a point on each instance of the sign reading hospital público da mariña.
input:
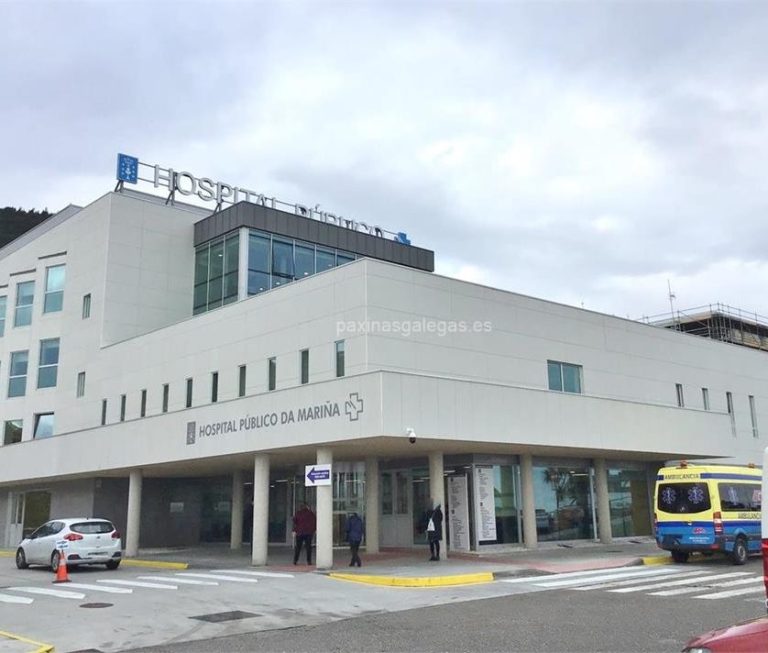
(349, 409)
(185, 183)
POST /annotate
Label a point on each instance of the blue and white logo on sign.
(402, 237)
(127, 168)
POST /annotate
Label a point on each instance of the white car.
(82, 541)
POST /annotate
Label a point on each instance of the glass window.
(17, 374)
(49, 363)
(272, 374)
(729, 402)
(143, 412)
(564, 377)
(344, 257)
(753, 415)
(628, 500)
(87, 306)
(103, 412)
(241, 381)
(214, 387)
(166, 393)
(200, 300)
(680, 398)
(189, 393)
(401, 493)
(259, 263)
(326, 259)
(680, 498)
(386, 493)
(705, 398)
(216, 276)
(54, 288)
(231, 266)
(340, 358)
(305, 260)
(563, 496)
(25, 294)
(80, 384)
(122, 407)
(304, 356)
(43, 425)
(740, 496)
(3, 303)
(12, 431)
(282, 262)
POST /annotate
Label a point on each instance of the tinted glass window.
(740, 496)
(682, 498)
(92, 527)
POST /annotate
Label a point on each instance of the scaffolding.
(717, 322)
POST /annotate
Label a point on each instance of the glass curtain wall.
(563, 494)
(216, 273)
(628, 497)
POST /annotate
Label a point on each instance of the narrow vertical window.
(86, 306)
(680, 398)
(241, 381)
(272, 374)
(189, 393)
(54, 289)
(753, 415)
(122, 407)
(48, 368)
(166, 392)
(729, 406)
(143, 412)
(25, 295)
(340, 358)
(214, 387)
(80, 384)
(17, 374)
(705, 398)
(103, 412)
(3, 304)
(304, 366)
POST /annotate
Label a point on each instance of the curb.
(656, 560)
(7, 553)
(160, 564)
(424, 581)
(41, 648)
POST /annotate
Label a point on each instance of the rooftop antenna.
(672, 298)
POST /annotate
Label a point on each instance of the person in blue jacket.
(354, 537)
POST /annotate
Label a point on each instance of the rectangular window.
(304, 366)
(272, 374)
(259, 262)
(143, 412)
(54, 289)
(339, 358)
(214, 387)
(680, 398)
(49, 363)
(103, 412)
(80, 384)
(25, 295)
(241, 381)
(753, 415)
(86, 306)
(3, 304)
(189, 393)
(17, 374)
(564, 377)
(705, 398)
(122, 407)
(43, 425)
(12, 431)
(166, 393)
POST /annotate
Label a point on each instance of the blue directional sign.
(317, 475)
(127, 168)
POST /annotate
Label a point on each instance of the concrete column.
(236, 514)
(602, 501)
(324, 538)
(242, 261)
(133, 525)
(260, 509)
(437, 493)
(530, 538)
(372, 505)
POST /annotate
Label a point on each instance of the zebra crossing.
(27, 594)
(699, 583)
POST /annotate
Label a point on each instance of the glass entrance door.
(397, 524)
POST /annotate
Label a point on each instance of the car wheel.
(739, 553)
(113, 564)
(21, 559)
(680, 556)
(55, 561)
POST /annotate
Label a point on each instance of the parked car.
(82, 540)
(746, 637)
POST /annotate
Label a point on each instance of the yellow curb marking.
(657, 560)
(424, 581)
(41, 648)
(155, 563)
(7, 554)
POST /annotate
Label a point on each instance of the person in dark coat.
(434, 531)
(354, 537)
(304, 526)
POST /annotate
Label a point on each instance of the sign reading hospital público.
(315, 475)
(184, 183)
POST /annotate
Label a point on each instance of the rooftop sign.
(129, 170)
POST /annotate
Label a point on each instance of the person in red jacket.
(304, 526)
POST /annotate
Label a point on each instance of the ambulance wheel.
(680, 556)
(739, 553)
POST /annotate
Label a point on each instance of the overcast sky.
(580, 152)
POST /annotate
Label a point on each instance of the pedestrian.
(304, 526)
(354, 537)
(434, 531)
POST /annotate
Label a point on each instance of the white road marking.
(183, 581)
(234, 579)
(568, 574)
(657, 586)
(9, 598)
(631, 581)
(45, 591)
(135, 583)
(598, 579)
(729, 593)
(265, 574)
(743, 581)
(100, 588)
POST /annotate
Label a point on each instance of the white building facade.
(176, 371)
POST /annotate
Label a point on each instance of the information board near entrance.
(315, 475)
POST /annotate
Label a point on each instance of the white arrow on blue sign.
(317, 475)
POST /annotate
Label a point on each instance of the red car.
(748, 637)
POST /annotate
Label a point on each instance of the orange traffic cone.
(61, 570)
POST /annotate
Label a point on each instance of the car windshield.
(92, 527)
(681, 498)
